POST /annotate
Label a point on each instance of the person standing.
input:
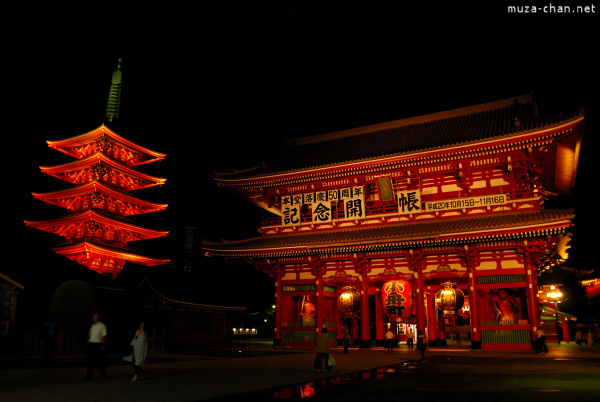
(389, 340)
(541, 339)
(95, 348)
(49, 335)
(421, 345)
(578, 338)
(323, 350)
(140, 347)
(590, 338)
(346, 340)
(409, 340)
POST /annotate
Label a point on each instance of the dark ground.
(453, 378)
(258, 372)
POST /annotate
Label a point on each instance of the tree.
(73, 305)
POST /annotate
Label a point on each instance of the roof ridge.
(463, 111)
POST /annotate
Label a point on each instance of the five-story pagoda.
(98, 230)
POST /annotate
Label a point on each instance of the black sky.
(218, 84)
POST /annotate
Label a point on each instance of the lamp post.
(556, 296)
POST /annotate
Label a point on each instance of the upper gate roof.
(443, 130)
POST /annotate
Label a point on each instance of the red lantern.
(449, 299)
(397, 298)
(349, 301)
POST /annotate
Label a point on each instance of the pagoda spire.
(114, 96)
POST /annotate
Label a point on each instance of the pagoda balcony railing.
(99, 240)
(378, 209)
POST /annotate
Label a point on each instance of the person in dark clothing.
(421, 345)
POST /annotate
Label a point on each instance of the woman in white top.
(140, 346)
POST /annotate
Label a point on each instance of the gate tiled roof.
(473, 226)
(429, 132)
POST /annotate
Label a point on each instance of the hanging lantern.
(449, 299)
(397, 298)
(349, 301)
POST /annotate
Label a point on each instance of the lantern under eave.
(349, 302)
(449, 299)
(397, 298)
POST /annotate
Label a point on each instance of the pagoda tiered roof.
(85, 251)
(104, 140)
(99, 167)
(507, 122)
(98, 195)
(87, 223)
(488, 227)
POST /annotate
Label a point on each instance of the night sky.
(218, 85)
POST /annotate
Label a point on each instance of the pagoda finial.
(114, 96)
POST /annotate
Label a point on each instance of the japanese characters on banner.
(321, 205)
(470, 202)
(409, 202)
(353, 201)
(397, 298)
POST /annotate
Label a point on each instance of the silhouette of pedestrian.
(421, 345)
(95, 352)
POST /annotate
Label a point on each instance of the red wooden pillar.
(432, 319)
(379, 320)
(278, 306)
(364, 310)
(471, 262)
(419, 302)
(533, 308)
(320, 314)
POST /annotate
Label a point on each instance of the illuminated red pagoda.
(99, 228)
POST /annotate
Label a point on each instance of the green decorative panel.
(298, 288)
(481, 280)
(505, 337)
(298, 336)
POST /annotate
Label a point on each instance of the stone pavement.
(205, 376)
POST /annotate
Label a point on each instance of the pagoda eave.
(80, 253)
(85, 220)
(70, 197)
(100, 167)
(75, 146)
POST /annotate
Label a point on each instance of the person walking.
(95, 348)
(323, 351)
(421, 345)
(140, 347)
(589, 338)
(389, 340)
(541, 340)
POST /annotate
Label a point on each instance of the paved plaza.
(241, 369)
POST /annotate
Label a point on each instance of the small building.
(176, 324)
(9, 297)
